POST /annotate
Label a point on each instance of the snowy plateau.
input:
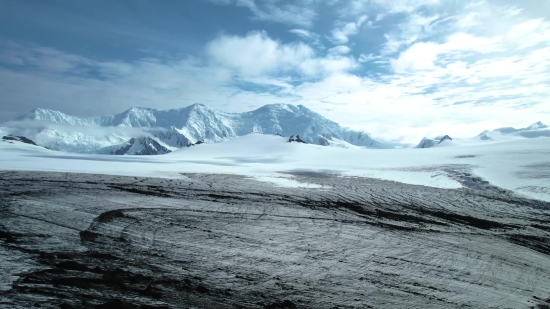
(247, 219)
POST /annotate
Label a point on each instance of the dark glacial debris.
(465, 156)
(7, 237)
(286, 304)
(224, 241)
(116, 304)
(540, 244)
(110, 216)
(71, 265)
(541, 303)
(150, 190)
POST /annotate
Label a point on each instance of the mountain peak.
(199, 106)
(537, 125)
(49, 115)
(39, 111)
(138, 109)
(277, 106)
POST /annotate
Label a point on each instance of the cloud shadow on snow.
(254, 159)
(98, 158)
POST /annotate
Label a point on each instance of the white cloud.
(319, 68)
(339, 50)
(364, 58)
(413, 29)
(419, 57)
(257, 54)
(343, 31)
(313, 38)
(422, 56)
(299, 12)
(354, 8)
(303, 33)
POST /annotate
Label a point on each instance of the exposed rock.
(19, 139)
(173, 137)
(431, 142)
(138, 146)
(296, 139)
(197, 143)
(444, 138)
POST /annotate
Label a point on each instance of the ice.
(226, 241)
(281, 181)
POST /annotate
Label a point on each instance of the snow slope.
(520, 165)
(198, 122)
(538, 129)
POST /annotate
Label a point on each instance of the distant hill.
(537, 129)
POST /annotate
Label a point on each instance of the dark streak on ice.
(224, 241)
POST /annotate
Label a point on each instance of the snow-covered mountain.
(137, 146)
(185, 126)
(537, 129)
(431, 142)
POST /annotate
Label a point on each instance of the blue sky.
(399, 69)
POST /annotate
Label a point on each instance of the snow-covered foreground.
(227, 241)
(520, 165)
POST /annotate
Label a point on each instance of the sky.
(397, 69)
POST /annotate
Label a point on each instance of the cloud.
(33, 127)
(419, 57)
(256, 54)
(428, 68)
(339, 50)
(341, 33)
(300, 12)
(415, 27)
(364, 58)
(303, 33)
(382, 8)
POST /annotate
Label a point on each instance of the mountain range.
(162, 131)
(537, 129)
(147, 131)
